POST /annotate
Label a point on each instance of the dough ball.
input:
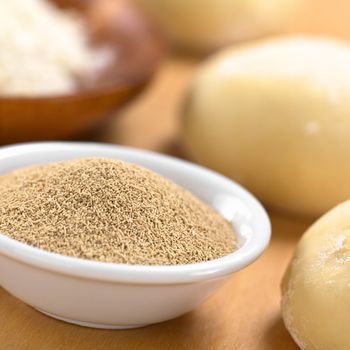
(275, 116)
(203, 25)
(316, 286)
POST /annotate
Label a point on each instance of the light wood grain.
(245, 313)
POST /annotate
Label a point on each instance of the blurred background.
(159, 46)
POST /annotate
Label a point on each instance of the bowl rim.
(139, 274)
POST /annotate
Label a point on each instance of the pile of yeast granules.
(110, 211)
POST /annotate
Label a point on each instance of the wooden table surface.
(245, 313)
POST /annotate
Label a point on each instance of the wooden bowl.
(137, 50)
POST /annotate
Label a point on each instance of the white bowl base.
(91, 325)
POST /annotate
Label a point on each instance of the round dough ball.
(275, 116)
(316, 286)
(203, 25)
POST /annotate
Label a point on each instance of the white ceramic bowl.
(106, 295)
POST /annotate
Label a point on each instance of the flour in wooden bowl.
(43, 49)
